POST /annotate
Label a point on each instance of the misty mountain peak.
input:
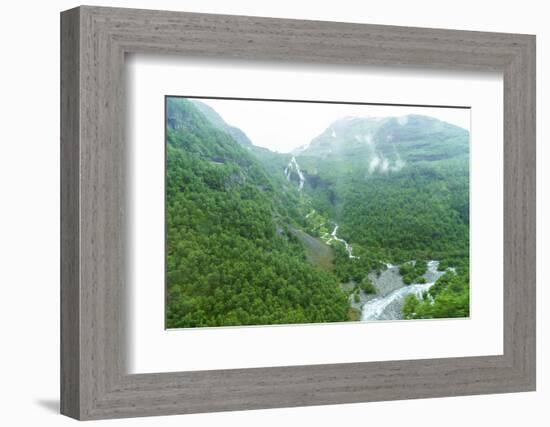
(388, 143)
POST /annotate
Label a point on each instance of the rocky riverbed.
(387, 303)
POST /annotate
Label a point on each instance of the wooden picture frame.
(94, 382)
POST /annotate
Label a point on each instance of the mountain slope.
(399, 190)
(287, 203)
(218, 122)
(383, 141)
(398, 186)
(230, 258)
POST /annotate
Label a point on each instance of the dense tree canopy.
(449, 297)
(228, 261)
(242, 241)
(400, 193)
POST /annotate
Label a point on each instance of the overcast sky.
(284, 126)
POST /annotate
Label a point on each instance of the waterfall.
(333, 236)
(294, 166)
(346, 244)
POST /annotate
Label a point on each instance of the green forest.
(248, 243)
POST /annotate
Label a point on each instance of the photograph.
(301, 212)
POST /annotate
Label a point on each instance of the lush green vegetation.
(408, 215)
(245, 247)
(367, 286)
(449, 297)
(353, 269)
(413, 271)
(231, 260)
(407, 199)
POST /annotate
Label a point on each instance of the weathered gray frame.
(94, 41)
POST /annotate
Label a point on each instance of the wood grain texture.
(70, 220)
(94, 273)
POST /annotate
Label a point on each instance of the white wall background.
(29, 213)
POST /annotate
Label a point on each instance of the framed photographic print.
(262, 213)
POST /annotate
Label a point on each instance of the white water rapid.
(388, 307)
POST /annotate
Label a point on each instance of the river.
(388, 306)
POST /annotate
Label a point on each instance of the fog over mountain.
(284, 126)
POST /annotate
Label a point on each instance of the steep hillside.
(398, 186)
(217, 121)
(230, 258)
(387, 144)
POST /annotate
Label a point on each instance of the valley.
(368, 221)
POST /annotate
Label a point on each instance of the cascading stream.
(294, 166)
(333, 236)
(328, 238)
(389, 306)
